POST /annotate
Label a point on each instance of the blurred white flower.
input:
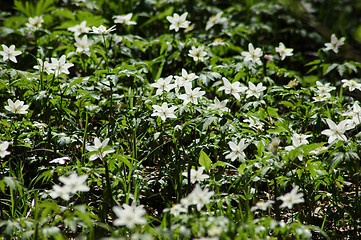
(3, 147)
(351, 84)
(335, 43)
(283, 51)
(35, 23)
(252, 55)
(79, 29)
(59, 191)
(191, 95)
(196, 175)
(72, 184)
(323, 91)
(232, 88)
(60, 66)
(163, 85)
(82, 45)
(44, 66)
(237, 150)
(215, 19)
(254, 122)
(188, 77)
(129, 215)
(17, 107)
(198, 53)
(304, 232)
(102, 30)
(291, 198)
(219, 106)
(164, 111)
(9, 53)
(254, 90)
(126, 19)
(198, 197)
(177, 209)
(178, 22)
(218, 42)
(60, 160)
(355, 113)
(75, 183)
(337, 132)
(99, 149)
(262, 205)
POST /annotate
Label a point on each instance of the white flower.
(35, 22)
(233, 88)
(337, 132)
(60, 66)
(59, 191)
(323, 91)
(188, 77)
(218, 42)
(198, 53)
(254, 123)
(215, 19)
(75, 183)
(102, 30)
(191, 95)
(3, 147)
(351, 84)
(253, 55)
(219, 106)
(9, 53)
(237, 150)
(355, 113)
(79, 29)
(163, 85)
(253, 90)
(124, 19)
(304, 232)
(18, 107)
(334, 44)
(164, 111)
(196, 175)
(83, 44)
(60, 160)
(44, 66)
(178, 22)
(291, 198)
(177, 209)
(262, 205)
(198, 197)
(298, 140)
(100, 149)
(129, 215)
(283, 51)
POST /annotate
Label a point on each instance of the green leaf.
(219, 164)
(241, 168)
(205, 161)
(287, 104)
(260, 148)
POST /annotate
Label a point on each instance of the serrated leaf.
(330, 68)
(341, 69)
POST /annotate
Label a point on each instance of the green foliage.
(195, 157)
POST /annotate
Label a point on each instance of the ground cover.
(157, 119)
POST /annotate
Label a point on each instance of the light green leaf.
(205, 161)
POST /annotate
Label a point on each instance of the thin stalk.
(84, 138)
